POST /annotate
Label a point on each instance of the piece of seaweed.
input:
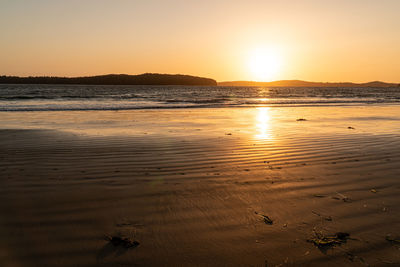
(322, 241)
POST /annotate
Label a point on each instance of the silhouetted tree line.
(114, 79)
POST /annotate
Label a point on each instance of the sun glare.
(264, 64)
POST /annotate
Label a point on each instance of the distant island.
(114, 79)
(298, 83)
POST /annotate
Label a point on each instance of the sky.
(314, 40)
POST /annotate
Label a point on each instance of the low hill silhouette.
(299, 83)
(114, 79)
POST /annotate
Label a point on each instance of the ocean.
(34, 97)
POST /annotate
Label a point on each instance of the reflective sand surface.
(187, 184)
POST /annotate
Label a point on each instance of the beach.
(193, 186)
(200, 133)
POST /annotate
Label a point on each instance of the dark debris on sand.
(393, 240)
(266, 219)
(319, 195)
(122, 241)
(328, 241)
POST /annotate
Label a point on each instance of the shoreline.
(213, 106)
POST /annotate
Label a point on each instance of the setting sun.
(264, 63)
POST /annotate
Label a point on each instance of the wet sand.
(190, 184)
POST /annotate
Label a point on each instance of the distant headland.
(298, 83)
(114, 79)
(175, 79)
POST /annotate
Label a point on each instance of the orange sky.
(315, 40)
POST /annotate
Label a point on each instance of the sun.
(264, 64)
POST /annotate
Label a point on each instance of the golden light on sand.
(263, 123)
(264, 63)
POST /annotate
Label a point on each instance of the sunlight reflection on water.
(263, 123)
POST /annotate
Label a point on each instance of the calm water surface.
(116, 97)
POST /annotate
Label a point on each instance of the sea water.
(35, 97)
